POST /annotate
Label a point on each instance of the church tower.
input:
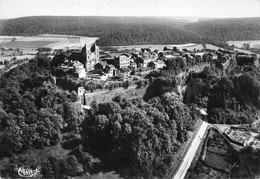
(92, 57)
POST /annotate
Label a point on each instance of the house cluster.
(242, 137)
(121, 64)
(101, 65)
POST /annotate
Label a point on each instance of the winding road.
(180, 174)
(14, 66)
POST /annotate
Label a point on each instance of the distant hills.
(137, 30)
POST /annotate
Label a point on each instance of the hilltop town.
(184, 108)
(117, 89)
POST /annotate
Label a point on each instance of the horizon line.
(174, 17)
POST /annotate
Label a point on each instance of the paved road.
(14, 66)
(191, 152)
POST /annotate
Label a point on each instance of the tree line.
(34, 112)
(135, 136)
(133, 30)
(231, 99)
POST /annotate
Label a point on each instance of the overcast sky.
(175, 8)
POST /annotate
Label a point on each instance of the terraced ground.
(28, 44)
(249, 165)
(44, 40)
(217, 158)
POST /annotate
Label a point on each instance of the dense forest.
(135, 138)
(132, 137)
(133, 30)
(230, 99)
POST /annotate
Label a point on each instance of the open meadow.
(252, 43)
(5, 39)
(45, 40)
(20, 57)
(27, 44)
(190, 46)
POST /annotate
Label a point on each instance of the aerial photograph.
(130, 89)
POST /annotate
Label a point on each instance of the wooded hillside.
(136, 30)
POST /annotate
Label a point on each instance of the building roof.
(125, 54)
(77, 64)
(106, 56)
(111, 66)
(125, 70)
(202, 111)
(103, 63)
(115, 54)
(133, 62)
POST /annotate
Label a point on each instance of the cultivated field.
(20, 57)
(217, 158)
(45, 40)
(239, 44)
(5, 39)
(27, 44)
(190, 46)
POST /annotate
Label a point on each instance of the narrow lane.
(180, 174)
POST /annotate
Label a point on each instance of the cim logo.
(27, 172)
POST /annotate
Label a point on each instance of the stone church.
(92, 57)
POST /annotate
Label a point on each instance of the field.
(20, 57)
(219, 154)
(5, 39)
(28, 44)
(239, 44)
(190, 46)
(216, 159)
(249, 166)
(45, 40)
